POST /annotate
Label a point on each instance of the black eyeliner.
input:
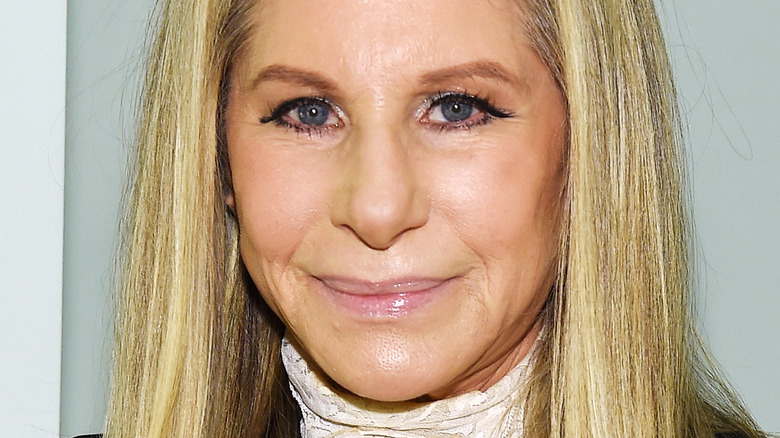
(288, 105)
(475, 101)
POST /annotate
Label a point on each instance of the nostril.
(378, 221)
(371, 242)
(381, 196)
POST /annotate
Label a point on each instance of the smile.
(392, 298)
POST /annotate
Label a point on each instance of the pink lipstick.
(390, 298)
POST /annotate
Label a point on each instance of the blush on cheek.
(275, 211)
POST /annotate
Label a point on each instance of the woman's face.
(397, 171)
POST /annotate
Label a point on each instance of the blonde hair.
(197, 351)
(622, 357)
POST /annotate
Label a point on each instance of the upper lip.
(353, 286)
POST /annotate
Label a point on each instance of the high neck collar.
(328, 411)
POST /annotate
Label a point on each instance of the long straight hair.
(621, 356)
(197, 351)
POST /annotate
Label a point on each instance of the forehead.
(375, 39)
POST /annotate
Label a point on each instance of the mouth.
(392, 298)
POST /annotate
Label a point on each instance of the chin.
(387, 368)
(391, 390)
(393, 387)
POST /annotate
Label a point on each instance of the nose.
(380, 197)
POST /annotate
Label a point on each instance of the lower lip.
(386, 305)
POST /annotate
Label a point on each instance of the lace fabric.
(331, 412)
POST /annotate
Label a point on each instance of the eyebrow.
(294, 75)
(306, 78)
(485, 69)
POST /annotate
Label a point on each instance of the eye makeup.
(445, 111)
(308, 115)
(456, 110)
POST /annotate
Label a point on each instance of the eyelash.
(278, 114)
(483, 105)
(489, 112)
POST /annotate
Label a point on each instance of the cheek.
(513, 228)
(278, 198)
(267, 209)
(507, 198)
(277, 205)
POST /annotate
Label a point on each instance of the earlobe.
(230, 201)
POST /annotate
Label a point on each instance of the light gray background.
(32, 145)
(727, 63)
(105, 39)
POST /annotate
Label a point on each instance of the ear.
(230, 201)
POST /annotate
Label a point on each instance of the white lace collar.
(329, 412)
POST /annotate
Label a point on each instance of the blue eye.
(310, 115)
(456, 111)
(314, 113)
(460, 110)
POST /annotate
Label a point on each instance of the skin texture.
(389, 192)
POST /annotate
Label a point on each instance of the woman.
(401, 219)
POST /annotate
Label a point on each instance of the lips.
(389, 298)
